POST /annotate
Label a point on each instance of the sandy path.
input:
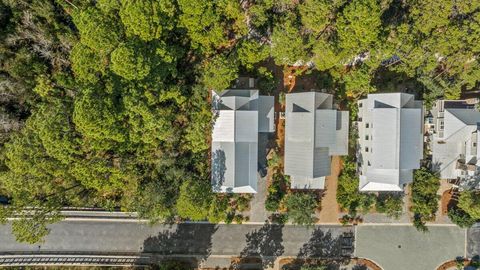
(330, 210)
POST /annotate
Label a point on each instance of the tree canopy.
(106, 103)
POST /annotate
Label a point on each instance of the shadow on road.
(263, 246)
(324, 248)
(191, 240)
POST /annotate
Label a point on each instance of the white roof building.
(390, 141)
(314, 132)
(455, 151)
(239, 116)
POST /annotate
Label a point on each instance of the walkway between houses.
(257, 211)
(330, 210)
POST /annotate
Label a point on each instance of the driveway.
(473, 244)
(399, 247)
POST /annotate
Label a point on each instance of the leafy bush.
(276, 192)
(390, 204)
(424, 196)
(243, 203)
(469, 202)
(280, 218)
(316, 267)
(348, 196)
(300, 207)
(275, 160)
(460, 217)
(194, 200)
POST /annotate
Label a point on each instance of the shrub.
(280, 218)
(390, 204)
(348, 196)
(274, 160)
(424, 196)
(460, 217)
(469, 202)
(276, 192)
(419, 223)
(300, 207)
(243, 203)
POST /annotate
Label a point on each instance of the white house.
(455, 140)
(390, 143)
(314, 132)
(239, 116)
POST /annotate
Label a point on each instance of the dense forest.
(105, 103)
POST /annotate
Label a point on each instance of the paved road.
(473, 249)
(403, 247)
(195, 239)
(393, 247)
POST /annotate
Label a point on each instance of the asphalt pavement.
(473, 242)
(196, 239)
(400, 247)
(391, 246)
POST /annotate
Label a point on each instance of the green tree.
(358, 82)
(98, 31)
(469, 202)
(424, 195)
(208, 22)
(460, 217)
(219, 72)
(301, 207)
(251, 52)
(276, 192)
(96, 116)
(218, 210)
(359, 25)
(288, 46)
(194, 200)
(32, 227)
(147, 19)
(348, 196)
(316, 15)
(326, 56)
(429, 14)
(87, 64)
(390, 204)
(131, 61)
(200, 119)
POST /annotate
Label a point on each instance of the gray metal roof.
(235, 139)
(312, 131)
(467, 116)
(396, 141)
(460, 128)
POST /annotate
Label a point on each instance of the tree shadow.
(360, 267)
(194, 240)
(263, 149)
(332, 250)
(325, 245)
(265, 244)
(218, 169)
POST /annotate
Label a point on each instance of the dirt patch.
(330, 208)
(452, 265)
(369, 264)
(442, 211)
(446, 200)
